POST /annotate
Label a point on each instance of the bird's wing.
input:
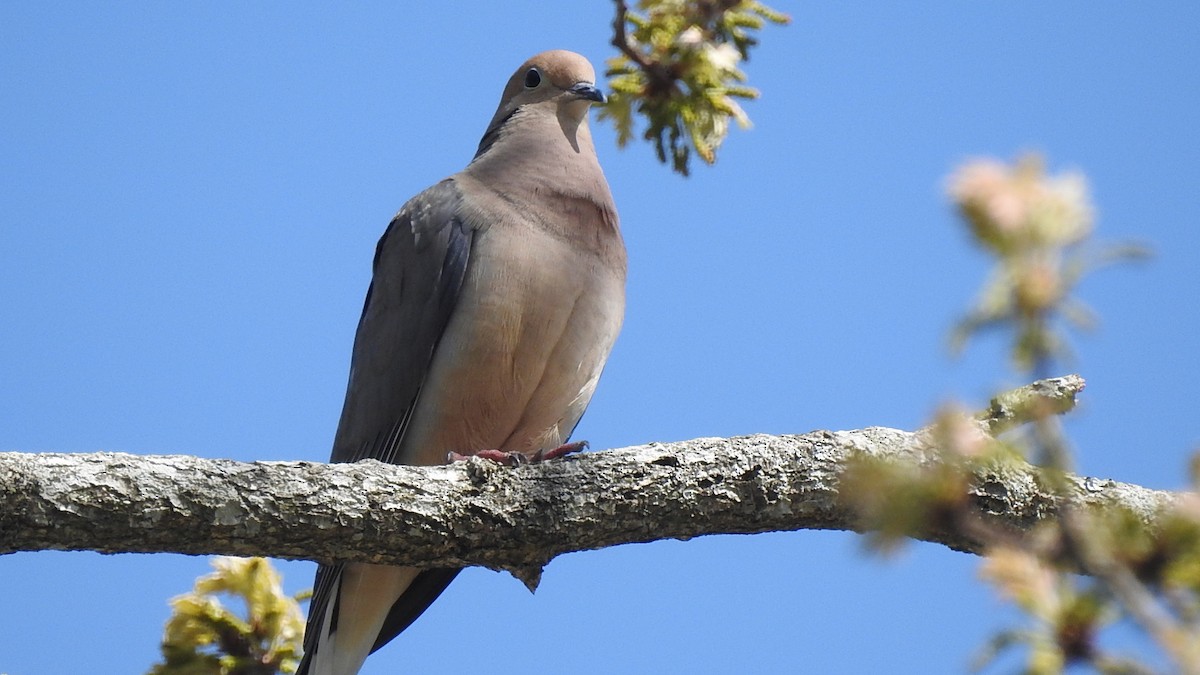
(418, 271)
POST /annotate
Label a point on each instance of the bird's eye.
(532, 78)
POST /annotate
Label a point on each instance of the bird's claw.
(561, 451)
(498, 456)
(519, 458)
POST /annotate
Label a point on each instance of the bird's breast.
(524, 349)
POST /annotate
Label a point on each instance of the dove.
(496, 297)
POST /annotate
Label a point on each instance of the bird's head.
(557, 82)
(557, 86)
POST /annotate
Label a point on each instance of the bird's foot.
(561, 451)
(498, 456)
(519, 458)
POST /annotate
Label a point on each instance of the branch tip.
(1051, 396)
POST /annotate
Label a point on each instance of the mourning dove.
(496, 298)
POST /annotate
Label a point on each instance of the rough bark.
(481, 513)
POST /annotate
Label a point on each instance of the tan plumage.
(496, 297)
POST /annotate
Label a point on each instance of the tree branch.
(480, 513)
(659, 76)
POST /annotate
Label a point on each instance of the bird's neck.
(543, 167)
(537, 146)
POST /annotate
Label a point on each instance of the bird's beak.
(588, 91)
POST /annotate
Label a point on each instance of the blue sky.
(191, 196)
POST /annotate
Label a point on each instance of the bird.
(496, 297)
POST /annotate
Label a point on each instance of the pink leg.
(561, 451)
(517, 458)
(498, 456)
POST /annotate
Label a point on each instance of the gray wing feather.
(420, 264)
(418, 270)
